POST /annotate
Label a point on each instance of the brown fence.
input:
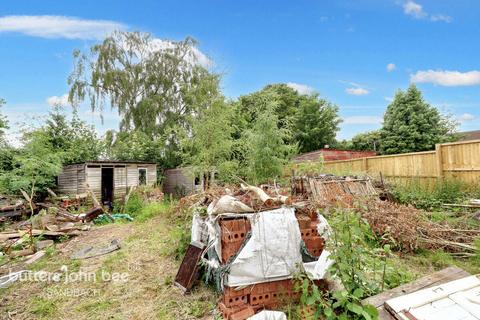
(459, 160)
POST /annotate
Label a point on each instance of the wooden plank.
(188, 269)
(439, 277)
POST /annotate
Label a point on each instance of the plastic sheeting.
(272, 253)
(199, 229)
(318, 269)
(323, 227)
(269, 315)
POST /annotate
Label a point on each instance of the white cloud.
(440, 17)
(301, 88)
(388, 99)
(466, 117)
(415, 10)
(363, 120)
(447, 78)
(58, 100)
(391, 67)
(357, 91)
(59, 27)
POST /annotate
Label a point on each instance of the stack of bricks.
(234, 232)
(259, 296)
(309, 232)
(243, 303)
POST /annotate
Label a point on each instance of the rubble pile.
(327, 189)
(253, 240)
(58, 217)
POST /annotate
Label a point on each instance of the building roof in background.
(469, 135)
(332, 154)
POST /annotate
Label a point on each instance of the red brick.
(243, 314)
(303, 221)
(227, 312)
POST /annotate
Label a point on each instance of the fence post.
(365, 164)
(438, 154)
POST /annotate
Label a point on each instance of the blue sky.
(356, 54)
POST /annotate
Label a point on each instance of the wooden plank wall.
(119, 182)
(460, 160)
(151, 174)
(132, 175)
(94, 180)
(67, 179)
(74, 178)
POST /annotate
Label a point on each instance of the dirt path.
(134, 282)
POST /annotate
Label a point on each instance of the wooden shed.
(109, 180)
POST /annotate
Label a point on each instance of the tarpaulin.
(269, 315)
(272, 253)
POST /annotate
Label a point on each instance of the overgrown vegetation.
(362, 266)
(433, 195)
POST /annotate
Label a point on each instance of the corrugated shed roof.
(115, 161)
(332, 154)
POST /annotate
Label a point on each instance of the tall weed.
(430, 197)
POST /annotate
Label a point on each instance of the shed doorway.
(107, 186)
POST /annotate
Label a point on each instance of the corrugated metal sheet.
(178, 181)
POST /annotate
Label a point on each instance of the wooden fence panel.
(462, 161)
(459, 160)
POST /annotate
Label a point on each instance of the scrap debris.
(252, 240)
(327, 189)
(40, 223)
(90, 251)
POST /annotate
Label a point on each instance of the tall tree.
(367, 141)
(410, 124)
(312, 121)
(73, 139)
(266, 149)
(316, 123)
(210, 148)
(134, 145)
(149, 81)
(3, 122)
(6, 151)
(34, 166)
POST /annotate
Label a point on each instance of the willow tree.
(147, 80)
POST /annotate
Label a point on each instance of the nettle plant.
(359, 265)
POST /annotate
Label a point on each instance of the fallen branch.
(265, 198)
